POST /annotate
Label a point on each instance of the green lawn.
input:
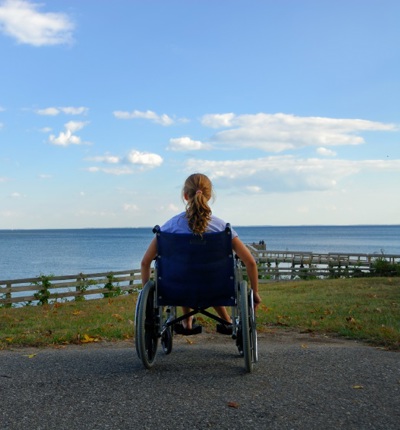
(365, 309)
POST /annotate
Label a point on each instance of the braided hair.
(197, 190)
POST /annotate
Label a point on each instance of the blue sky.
(291, 107)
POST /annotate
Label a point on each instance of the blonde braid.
(198, 191)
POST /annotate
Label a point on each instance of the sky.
(291, 107)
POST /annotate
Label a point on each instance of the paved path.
(300, 382)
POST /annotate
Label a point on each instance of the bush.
(383, 267)
(44, 284)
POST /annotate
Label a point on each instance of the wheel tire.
(146, 334)
(253, 328)
(245, 325)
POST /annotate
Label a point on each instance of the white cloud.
(68, 137)
(325, 152)
(9, 214)
(185, 143)
(15, 195)
(92, 214)
(108, 159)
(45, 130)
(218, 120)
(253, 189)
(169, 209)
(68, 110)
(286, 173)
(3, 179)
(75, 125)
(44, 176)
(144, 159)
(173, 208)
(129, 207)
(50, 111)
(134, 161)
(117, 171)
(22, 20)
(280, 132)
(150, 115)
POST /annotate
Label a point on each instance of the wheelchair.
(197, 272)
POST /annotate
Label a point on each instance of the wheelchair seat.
(197, 272)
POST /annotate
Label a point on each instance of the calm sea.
(30, 253)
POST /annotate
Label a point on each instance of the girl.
(198, 219)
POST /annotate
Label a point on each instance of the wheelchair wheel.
(146, 330)
(166, 341)
(245, 327)
(253, 328)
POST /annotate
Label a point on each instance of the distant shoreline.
(235, 226)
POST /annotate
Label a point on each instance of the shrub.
(383, 267)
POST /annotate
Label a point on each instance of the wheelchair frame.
(155, 317)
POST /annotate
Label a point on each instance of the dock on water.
(282, 265)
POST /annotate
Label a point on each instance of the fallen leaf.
(304, 346)
(88, 339)
(30, 355)
(357, 387)
(117, 316)
(233, 405)
(189, 341)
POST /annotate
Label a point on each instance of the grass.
(365, 309)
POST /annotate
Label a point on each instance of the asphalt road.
(300, 382)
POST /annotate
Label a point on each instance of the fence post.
(7, 295)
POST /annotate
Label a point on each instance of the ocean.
(30, 253)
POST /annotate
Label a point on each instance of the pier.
(281, 265)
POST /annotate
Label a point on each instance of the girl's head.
(197, 191)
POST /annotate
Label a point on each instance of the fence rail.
(273, 265)
(294, 264)
(46, 288)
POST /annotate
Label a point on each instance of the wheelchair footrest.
(224, 329)
(180, 329)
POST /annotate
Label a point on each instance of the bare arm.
(245, 255)
(148, 257)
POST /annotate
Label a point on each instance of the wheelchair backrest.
(195, 271)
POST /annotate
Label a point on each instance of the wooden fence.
(273, 265)
(281, 265)
(53, 288)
